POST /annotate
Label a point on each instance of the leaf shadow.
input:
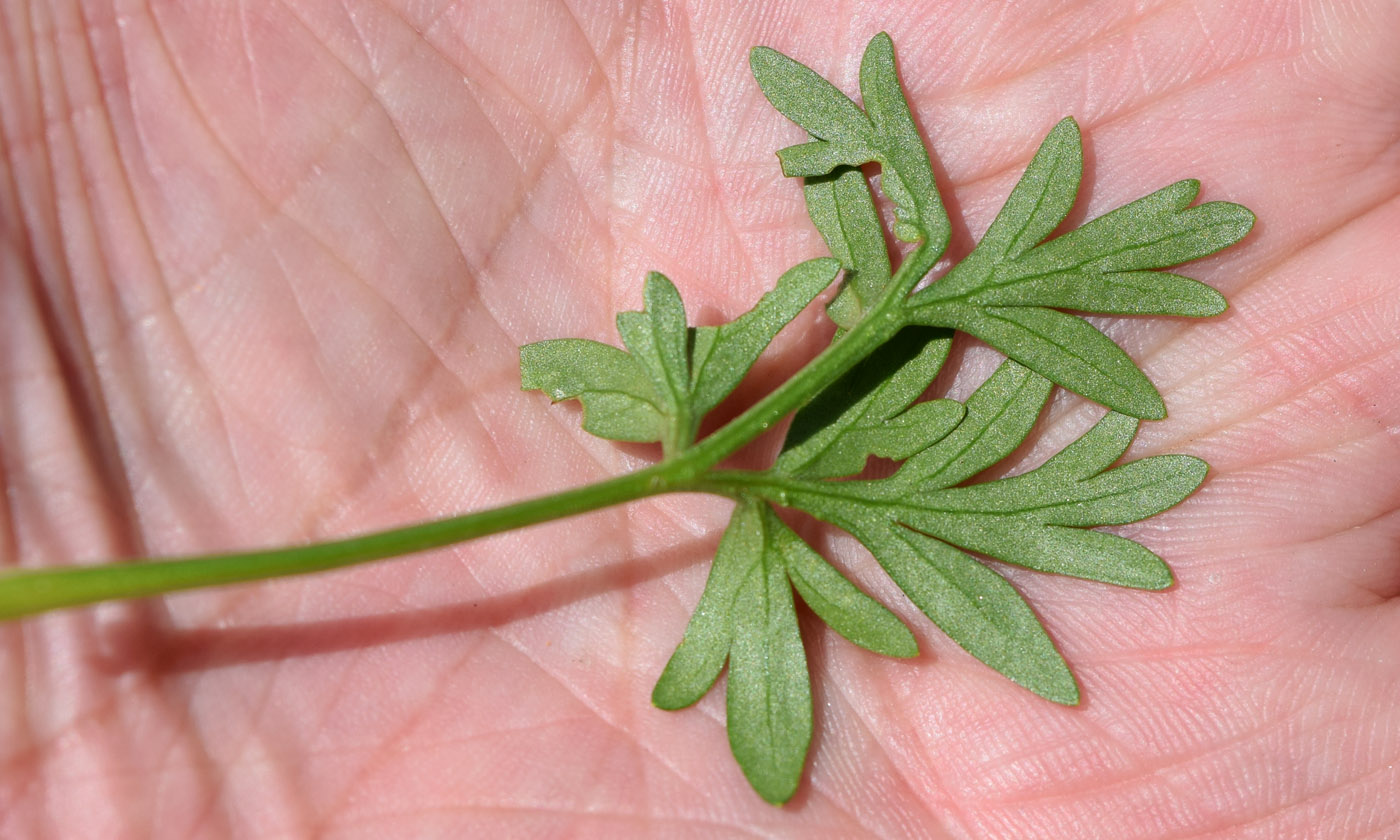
(145, 642)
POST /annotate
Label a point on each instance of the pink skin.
(263, 271)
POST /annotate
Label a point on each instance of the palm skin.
(264, 274)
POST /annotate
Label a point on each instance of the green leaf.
(844, 213)
(1122, 293)
(721, 356)
(837, 601)
(925, 524)
(699, 658)
(907, 176)
(619, 401)
(1032, 519)
(1041, 199)
(1156, 231)
(975, 606)
(747, 616)
(673, 374)
(657, 338)
(846, 137)
(1094, 451)
(806, 98)
(1073, 552)
(1099, 267)
(1131, 492)
(820, 157)
(1068, 351)
(866, 412)
(1000, 413)
(1037, 205)
(769, 698)
(1002, 292)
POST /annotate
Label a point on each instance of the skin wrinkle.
(392, 744)
(280, 203)
(941, 795)
(1073, 50)
(176, 700)
(39, 138)
(1274, 816)
(742, 830)
(274, 203)
(598, 711)
(1292, 802)
(189, 353)
(22, 476)
(254, 75)
(1292, 397)
(1044, 752)
(891, 766)
(319, 509)
(1178, 766)
(625, 78)
(1292, 456)
(182, 84)
(263, 740)
(528, 181)
(1088, 126)
(208, 811)
(87, 404)
(1316, 240)
(1379, 595)
(529, 178)
(368, 52)
(1210, 364)
(1302, 456)
(1223, 651)
(707, 143)
(326, 249)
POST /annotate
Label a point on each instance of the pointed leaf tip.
(807, 99)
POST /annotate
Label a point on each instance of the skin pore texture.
(264, 270)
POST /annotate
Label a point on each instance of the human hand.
(266, 273)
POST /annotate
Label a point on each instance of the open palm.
(263, 273)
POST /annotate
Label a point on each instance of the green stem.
(885, 318)
(28, 592)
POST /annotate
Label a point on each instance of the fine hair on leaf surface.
(929, 524)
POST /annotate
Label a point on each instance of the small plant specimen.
(862, 397)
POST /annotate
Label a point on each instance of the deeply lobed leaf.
(866, 412)
(619, 400)
(1003, 292)
(999, 415)
(978, 608)
(671, 374)
(847, 137)
(768, 704)
(840, 206)
(721, 356)
(747, 617)
(908, 175)
(656, 338)
(924, 524)
(806, 98)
